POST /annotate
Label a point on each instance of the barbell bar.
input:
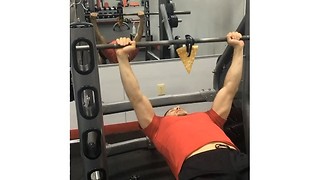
(157, 13)
(136, 14)
(162, 43)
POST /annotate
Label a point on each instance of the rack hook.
(189, 43)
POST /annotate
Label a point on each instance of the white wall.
(208, 18)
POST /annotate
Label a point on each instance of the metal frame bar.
(164, 51)
(91, 5)
(151, 54)
(79, 12)
(246, 83)
(129, 145)
(196, 97)
(106, 13)
(86, 88)
(147, 28)
(168, 29)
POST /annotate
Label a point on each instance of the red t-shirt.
(176, 137)
(111, 54)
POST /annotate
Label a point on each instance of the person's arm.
(141, 104)
(224, 98)
(139, 34)
(99, 37)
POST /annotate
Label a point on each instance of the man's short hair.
(167, 111)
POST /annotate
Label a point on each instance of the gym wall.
(150, 73)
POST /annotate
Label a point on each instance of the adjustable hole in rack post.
(91, 144)
(146, 4)
(88, 102)
(83, 60)
(98, 174)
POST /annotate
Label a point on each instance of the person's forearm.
(234, 74)
(95, 26)
(129, 81)
(140, 31)
(98, 34)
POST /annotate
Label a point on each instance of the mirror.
(207, 19)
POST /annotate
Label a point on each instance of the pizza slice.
(187, 61)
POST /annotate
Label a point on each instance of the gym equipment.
(120, 22)
(201, 96)
(163, 42)
(220, 70)
(147, 31)
(167, 21)
(87, 94)
(106, 14)
(246, 83)
(86, 88)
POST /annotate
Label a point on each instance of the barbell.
(161, 43)
(101, 14)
